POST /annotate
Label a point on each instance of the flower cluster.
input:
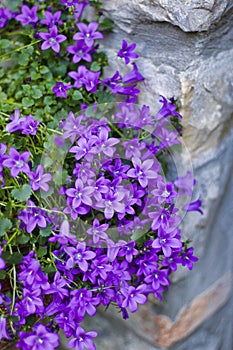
(88, 217)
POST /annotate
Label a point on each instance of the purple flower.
(64, 237)
(84, 171)
(2, 262)
(133, 76)
(3, 328)
(79, 52)
(133, 148)
(167, 109)
(83, 148)
(126, 51)
(57, 287)
(194, 206)
(98, 231)
(14, 125)
(167, 138)
(142, 171)
(41, 339)
(60, 89)
(78, 76)
(83, 302)
(167, 240)
(111, 203)
(28, 125)
(91, 80)
(88, 33)
(31, 275)
(52, 39)
(80, 194)
(133, 296)
(69, 2)
(79, 8)
(104, 144)
(32, 301)
(3, 156)
(28, 16)
(128, 251)
(5, 16)
(73, 127)
(164, 192)
(84, 76)
(39, 179)
(185, 184)
(51, 19)
(32, 217)
(158, 278)
(79, 256)
(82, 340)
(187, 259)
(17, 162)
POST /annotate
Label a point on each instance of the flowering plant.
(87, 215)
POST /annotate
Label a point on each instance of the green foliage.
(5, 225)
(22, 194)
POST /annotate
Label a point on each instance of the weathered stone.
(190, 16)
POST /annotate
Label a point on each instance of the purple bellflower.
(126, 51)
(88, 33)
(2, 262)
(52, 39)
(60, 89)
(17, 162)
(142, 171)
(194, 206)
(79, 52)
(40, 339)
(27, 16)
(52, 19)
(82, 340)
(3, 329)
(39, 179)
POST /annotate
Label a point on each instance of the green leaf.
(23, 59)
(22, 194)
(77, 95)
(44, 70)
(27, 102)
(104, 97)
(4, 43)
(35, 75)
(49, 269)
(2, 72)
(95, 67)
(13, 5)
(36, 93)
(41, 252)
(2, 275)
(23, 239)
(46, 232)
(14, 259)
(106, 24)
(5, 225)
(49, 100)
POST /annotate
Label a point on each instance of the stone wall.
(186, 51)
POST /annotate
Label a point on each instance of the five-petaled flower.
(52, 39)
(88, 33)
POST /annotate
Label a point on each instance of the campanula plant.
(87, 217)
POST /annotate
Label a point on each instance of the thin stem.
(20, 48)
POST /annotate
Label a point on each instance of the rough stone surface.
(189, 15)
(186, 51)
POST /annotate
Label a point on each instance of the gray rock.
(190, 16)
